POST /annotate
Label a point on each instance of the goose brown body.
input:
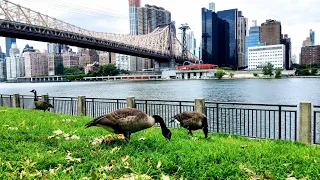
(193, 121)
(39, 103)
(127, 121)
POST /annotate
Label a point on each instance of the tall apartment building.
(309, 40)
(36, 64)
(3, 71)
(310, 54)
(9, 42)
(270, 32)
(15, 63)
(215, 39)
(285, 40)
(70, 59)
(122, 62)
(55, 61)
(55, 48)
(144, 20)
(88, 56)
(107, 58)
(150, 17)
(242, 33)
(261, 55)
(252, 40)
(231, 16)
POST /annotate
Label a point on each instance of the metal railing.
(253, 120)
(6, 100)
(244, 119)
(97, 106)
(316, 125)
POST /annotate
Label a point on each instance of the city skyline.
(295, 20)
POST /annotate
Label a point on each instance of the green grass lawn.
(29, 148)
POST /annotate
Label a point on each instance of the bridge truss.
(28, 24)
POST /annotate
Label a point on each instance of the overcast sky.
(297, 16)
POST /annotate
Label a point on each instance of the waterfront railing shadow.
(245, 119)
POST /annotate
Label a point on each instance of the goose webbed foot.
(190, 133)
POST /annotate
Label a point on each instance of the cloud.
(296, 16)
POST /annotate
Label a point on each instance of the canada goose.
(127, 121)
(39, 103)
(192, 121)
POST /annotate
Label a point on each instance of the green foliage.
(231, 75)
(105, 70)
(267, 69)
(226, 68)
(74, 70)
(220, 73)
(302, 72)
(59, 70)
(278, 73)
(255, 74)
(314, 71)
(29, 145)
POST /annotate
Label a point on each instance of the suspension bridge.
(20, 22)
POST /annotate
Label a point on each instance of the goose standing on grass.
(39, 103)
(192, 121)
(127, 121)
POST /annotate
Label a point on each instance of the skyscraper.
(242, 33)
(253, 39)
(215, 39)
(270, 32)
(286, 41)
(231, 16)
(3, 71)
(133, 16)
(212, 7)
(15, 63)
(312, 37)
(9, 42)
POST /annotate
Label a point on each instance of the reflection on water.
(278, 91)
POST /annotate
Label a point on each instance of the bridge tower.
(184, 28)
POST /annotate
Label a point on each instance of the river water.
(275, 91)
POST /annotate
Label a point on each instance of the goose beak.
(172, 119)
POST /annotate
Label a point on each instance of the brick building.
(310, 54)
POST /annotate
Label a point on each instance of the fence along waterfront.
(244, 119)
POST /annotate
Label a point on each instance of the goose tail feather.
(94, 122)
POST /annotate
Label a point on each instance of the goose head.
(33, 91)
(165, 131)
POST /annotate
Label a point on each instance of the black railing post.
(117, 103)
(146, 106)
(217, 117)
(280, 121)
(180, 106)
(92, 107)
(314, 127)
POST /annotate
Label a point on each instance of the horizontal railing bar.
(248, 104)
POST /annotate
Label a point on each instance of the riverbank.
(38, 144)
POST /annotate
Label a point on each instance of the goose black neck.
(161, 122)
(35, 95)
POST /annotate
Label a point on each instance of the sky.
(297, 17)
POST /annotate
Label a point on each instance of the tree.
(59, 69)
(74, 70)
(267, 69)
(278, 73)
(314, 71)
(231, 75)
(220, 73)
